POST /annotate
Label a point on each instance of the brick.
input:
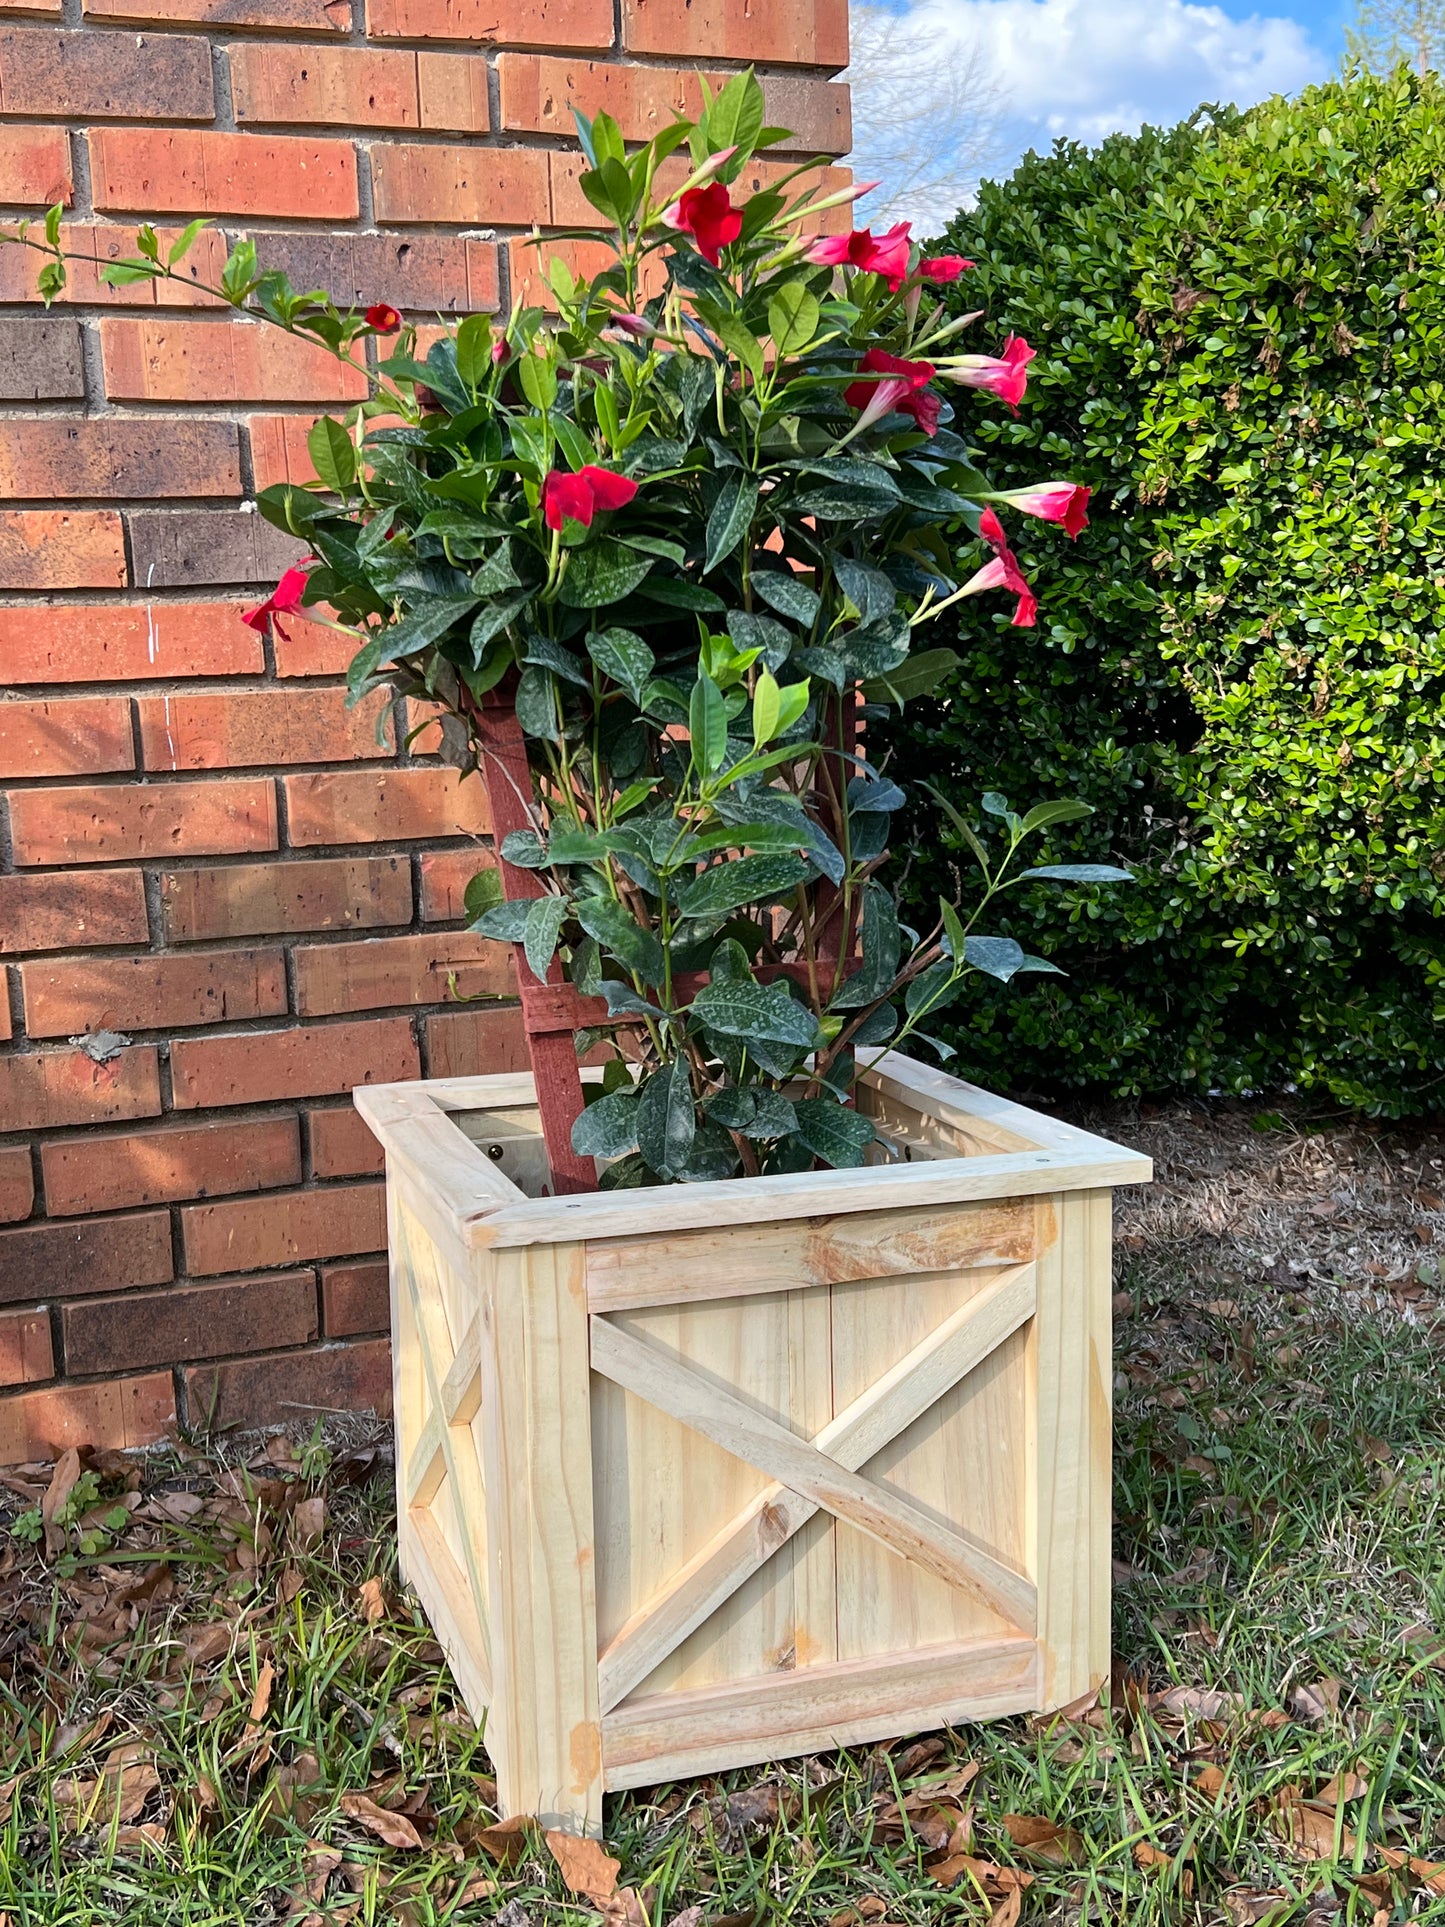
(528, 268)
(267, 899)
(6, 1022)
(342, 1146)
(539, 91)
(259, 1067)
(355, 1299)
(445, 875)
(465, 186)
(514, 23)
(87, 1254)
(120, 1416)
(378, 971)
(40, 360)
(475, 1043)
(75, 994)
(61, 549)
(87, 642)
(378, 806)
(42, 1089)
(101, 76)
(25, 1351)
(188, 172)
(69, 912)
(108, 824)
(35, 167)
(291, 16)
(17, 1184)
(359, 87)
(246, 728)
(189, 1321)
(804, 33)
(285, 1228)
(311, 649)
(42, 8)
(219, 361)
(44, 457)
(117, 1170)
(82, 737)
(205, 547)
(283, 1387)
(99, 242)
(427, 273)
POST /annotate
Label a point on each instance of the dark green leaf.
(832, 1132)
(1079, 873)
(618, 932)
(755, 1011)
(601, 573)
(788, 594)
(745, 880)
(545, 917)
(667, 1118)
(607, 1128)
(731, 517)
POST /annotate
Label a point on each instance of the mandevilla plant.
(691, 530)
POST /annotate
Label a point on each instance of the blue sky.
(1085, 68)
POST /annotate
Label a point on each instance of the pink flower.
(905, 390)
(943, 267)
(884, 254)
(383, 319)
(499, 350)
(1007, 377)
(577, 498)
(1010, 575)
(284, 600)
(708, 215)
(1064, 502)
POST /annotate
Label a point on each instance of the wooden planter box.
(700, 1476)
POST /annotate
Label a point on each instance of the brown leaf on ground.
(625, 1909)
(1197, 1703)
(1426, 1646)
(372, 1601)
(261, 1698)
(1006, 1912)
(392, 1828)
(1151, 1859)
(201, 1645)
(1044, 1839)
(585, 1865)
(62, 1483)
(1210, 1780)
(307, 1523)
(689, 1917)
(502, 1841)
(1316, 1703)
(136, 1839)
(316, 1870)
(870, 1907)
(297, 1791)
(993, 1879)
(1348, 1785)
(1248, 1907)
(472, 1886)
(118, 1795)
(1430, 1874)
(77, 1735)
(1311, 1834)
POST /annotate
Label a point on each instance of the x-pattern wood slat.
(812, 1474)
(433, 1341)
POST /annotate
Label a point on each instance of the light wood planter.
(717, 1473)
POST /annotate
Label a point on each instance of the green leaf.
(483, 893)
(667, 1118)
(832, 1132)
(576, 846)
(608, 1128)
(50, 281)
(494, 618)
(507, 922)
(936, 986)
(918, 675)
(537, 703)
(53, 217)
(545, 918)
(185, 241)
(601, 573)
(745, 880)
(882, 943)
(731, 517)
(735, 118)
(474, 351)
(333, 454)
(793, 316)
(429, 620)
(788, 594)
(618, 932)
(708, 725)
(622, 656)
(953, 925)
(1000, 957)
(1079, 873)
(1064, 811)
(767, 707)
(751, 1010)
(120, 274)
(539, 380)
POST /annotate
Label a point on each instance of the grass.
(1271, 1742)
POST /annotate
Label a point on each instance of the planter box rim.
(413, 1121)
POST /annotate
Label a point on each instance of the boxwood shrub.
(1241, 662)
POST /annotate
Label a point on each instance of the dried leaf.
(202, 1644)
(117, 1796)
(62, 1483)
(372, 1601)
(1151, 1859)
(472, 1886)
(316, 1870)
(1249, 1908)
(261, 1698)
(1044, 1839)
(1211, 1780)
(1348, 1785)
(1429, 1873)
(585, 1865)
(1317, 1703)
(1311, 1834)
(151, 1834)
(625, 1909)
(690, 1917)
(1006, 1913)
(393, 1828)
(307, 1522)
(503, 1841)
(1197, 1703)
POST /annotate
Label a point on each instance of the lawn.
(217, 1704)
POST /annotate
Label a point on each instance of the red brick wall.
(199, 849)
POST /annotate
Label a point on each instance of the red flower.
(884, 254)
(577, 498)
(284, 600)
(707, 214)
(905, 390)
(943, 267)
(383, 319)
(1065, 502)
(1007, 377)
(991, 529)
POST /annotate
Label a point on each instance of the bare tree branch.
(1387, 32)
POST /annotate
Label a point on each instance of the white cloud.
(1087, 68)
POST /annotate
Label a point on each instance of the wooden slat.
(853, 1437)
(425, 1465)
(627, 1273)
(670, 1736)
(450, 1608)
(980, 1113)
(799, 1465)
(544, 1730)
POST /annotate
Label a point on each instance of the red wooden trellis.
(554, 1012)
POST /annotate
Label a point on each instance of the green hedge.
(1241, 336)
